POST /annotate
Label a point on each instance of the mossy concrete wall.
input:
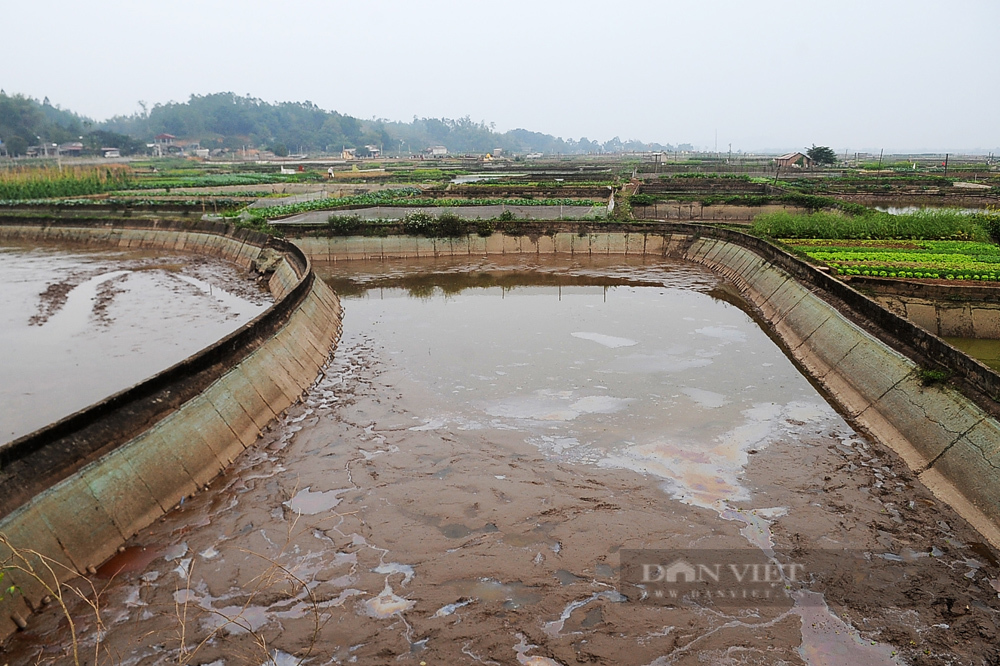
(960, 311)
(948, 435)
(77, 489)
(947, 319)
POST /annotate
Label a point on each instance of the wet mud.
(78, 325)
(460, 484)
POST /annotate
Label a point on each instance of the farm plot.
(927, 260)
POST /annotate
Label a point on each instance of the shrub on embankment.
(444, 225)
(919, 225)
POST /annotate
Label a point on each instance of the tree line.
(26, 122)
(231, 122)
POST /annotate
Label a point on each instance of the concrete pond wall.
(77, 489)
(960, 311)
(870, 360)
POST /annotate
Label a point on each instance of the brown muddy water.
(987, 351)
(491, 441)
(79, 325)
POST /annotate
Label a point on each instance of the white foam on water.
(522, 648)
(387, 604)
(550, 405)
(447, 610)
(707, 399)
(756, 525)
(396, 568)
(309, 503)
(663, 362)
(279, 658)
(609, 341)
(183, 568)
(554, 627)
(430, 424)
(725, 333)
(599, 404)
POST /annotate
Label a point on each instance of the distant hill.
(26, 122)
(229, 121)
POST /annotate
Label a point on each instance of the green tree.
(16, 146)
(822, 155)
(98, 139)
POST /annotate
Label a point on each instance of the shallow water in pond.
(633, 377)
(77, 325)
(987, 351)
(462, 481)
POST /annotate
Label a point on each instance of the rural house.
(794, 160)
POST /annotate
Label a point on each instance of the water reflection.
(649, 366)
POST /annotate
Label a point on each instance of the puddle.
(554, 627)
(510, 595)
(129, 560)
(829, 641)
(309, 503)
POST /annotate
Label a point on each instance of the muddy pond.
(77, 324)
(492, 441)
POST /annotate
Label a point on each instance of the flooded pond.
(78, 325)
(493, 441)
(983, 350)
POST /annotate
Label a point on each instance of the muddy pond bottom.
(77, 325)
(492, 442)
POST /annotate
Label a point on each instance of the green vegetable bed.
(928, 260)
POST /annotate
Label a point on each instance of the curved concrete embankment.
(869, 359)
(949, 439)
(77, 489)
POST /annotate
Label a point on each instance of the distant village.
(168, 145)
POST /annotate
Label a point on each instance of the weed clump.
(932, 377)
(344, 225)
(446, 225)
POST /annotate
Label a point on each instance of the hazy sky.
(857, 75)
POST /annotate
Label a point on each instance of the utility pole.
(946, 164)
